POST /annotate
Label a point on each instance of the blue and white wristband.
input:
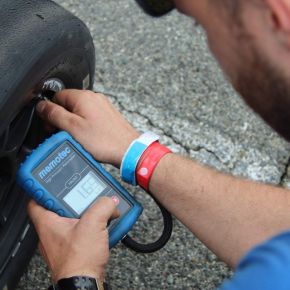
(133, 155)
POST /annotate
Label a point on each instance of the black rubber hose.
(160, 243)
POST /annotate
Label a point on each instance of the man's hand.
(93, 121)
(73, 247)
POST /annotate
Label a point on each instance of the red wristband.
(148, 162)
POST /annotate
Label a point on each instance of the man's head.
(251, 40)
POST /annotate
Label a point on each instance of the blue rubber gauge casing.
(62, 177)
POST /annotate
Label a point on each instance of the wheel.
(43, 48)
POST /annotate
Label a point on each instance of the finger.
(115, 214)
(59, 117)
(68, 98)
(76, 101)
(49, 128)
(101, 212)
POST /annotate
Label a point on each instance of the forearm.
(228, 214)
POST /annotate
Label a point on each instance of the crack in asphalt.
(231, 166)
(152, 124)
(186, 148)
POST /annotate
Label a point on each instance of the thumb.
(101, 212)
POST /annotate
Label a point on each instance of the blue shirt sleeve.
(266, 267)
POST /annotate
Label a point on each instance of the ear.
(281, 13)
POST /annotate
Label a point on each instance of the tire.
(43, 47)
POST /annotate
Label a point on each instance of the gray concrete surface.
(162, 77)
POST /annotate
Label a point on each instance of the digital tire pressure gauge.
(62, 177)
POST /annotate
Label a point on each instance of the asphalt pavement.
(161, 75)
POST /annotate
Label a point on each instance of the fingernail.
(115, 199)
(40, 106)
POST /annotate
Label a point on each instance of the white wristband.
(133, 155)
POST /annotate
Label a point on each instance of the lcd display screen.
(85, 192)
